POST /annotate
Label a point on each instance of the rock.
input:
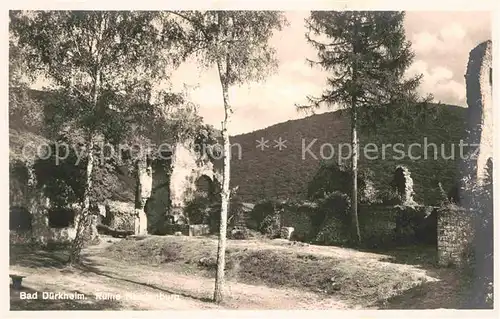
(286, 232)
(121, 215)
(199, 230)
(239, 233)
(178, 233)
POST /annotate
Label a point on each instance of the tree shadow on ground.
(428, 295)
(57, 257)
(38, 257)
(93, 268)
(88, 303)
(422, 256)
(434, 295)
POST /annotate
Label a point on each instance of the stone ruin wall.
(186, 167)
(479, 100)
(25, 194)
(455, 230)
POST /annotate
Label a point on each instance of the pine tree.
(367, 54)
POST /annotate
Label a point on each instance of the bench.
(17, 281)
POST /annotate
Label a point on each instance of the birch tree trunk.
(225, 194)
(83, 218)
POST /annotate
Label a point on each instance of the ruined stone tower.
(480, 119)
(457, 226)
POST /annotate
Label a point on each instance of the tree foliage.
(237, 39)
(367, 55)
(98, 60)
(332, 177)
(110, 56)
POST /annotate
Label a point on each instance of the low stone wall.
(383, 226)
(199, 230)
(50, 235)
(184, 229)
(20, 237)
(455, 234)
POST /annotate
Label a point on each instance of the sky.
(441, 42)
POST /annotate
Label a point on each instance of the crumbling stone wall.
(480, 117)
(158, 204)
(144, 177)
(187, 166)
(164, 186)
(455, 232)
(25, 192)
(120, 215)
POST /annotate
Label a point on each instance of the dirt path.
(142, 287)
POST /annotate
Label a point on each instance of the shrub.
(239, 233)
(171, 253)
(333, 232)
(332, 177)
(271, 225)
(260, 212)
(335, 205)
(198, 210)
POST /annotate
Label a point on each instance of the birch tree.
(96, 58)
(236, 44)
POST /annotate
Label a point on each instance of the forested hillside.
(285, 174)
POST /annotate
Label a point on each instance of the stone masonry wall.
(187, 167)
(480, 117)
(455, 234)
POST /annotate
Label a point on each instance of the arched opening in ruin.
(61, 217)
(400, 181)
(204, 187)
(19, 218)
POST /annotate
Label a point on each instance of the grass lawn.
(261, 274)
(357, 277)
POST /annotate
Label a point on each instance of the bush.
(333, 232)
(335, 205)
(168, 228)
(332, 177)
(271, 225)
(239, 233)
(416, 226)
(260, 212)
(171, 253)
(198, 210)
